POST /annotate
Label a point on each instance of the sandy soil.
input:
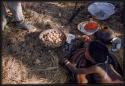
(26, 60)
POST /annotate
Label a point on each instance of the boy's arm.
(104, 77)
(86, 71)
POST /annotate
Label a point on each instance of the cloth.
(16, 10)
(101, 10)
(3, 16)
(70, 37)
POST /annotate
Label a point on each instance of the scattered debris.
(20, 49)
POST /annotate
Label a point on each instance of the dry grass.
(25, 60)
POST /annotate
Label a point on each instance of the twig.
(47, 69)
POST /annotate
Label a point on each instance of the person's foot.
(24, 26)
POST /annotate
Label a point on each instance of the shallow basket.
(51, 45)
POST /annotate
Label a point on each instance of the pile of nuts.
(52, 38)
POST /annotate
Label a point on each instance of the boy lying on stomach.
(98, 54)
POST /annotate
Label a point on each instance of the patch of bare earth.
(25, 60)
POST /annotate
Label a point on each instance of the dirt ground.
(26, 61)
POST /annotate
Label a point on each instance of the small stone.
(37, 61)
(49, 51)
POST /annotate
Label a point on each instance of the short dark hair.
(98, 51)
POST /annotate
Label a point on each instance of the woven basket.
(50, 43)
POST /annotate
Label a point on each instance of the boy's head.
(98, 51)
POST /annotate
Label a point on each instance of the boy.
(94, 60)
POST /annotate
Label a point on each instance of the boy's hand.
(86, 38)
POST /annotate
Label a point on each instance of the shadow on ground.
(26, 47)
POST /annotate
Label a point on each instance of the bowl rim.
(81, 28)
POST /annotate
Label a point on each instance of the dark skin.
(110, 76)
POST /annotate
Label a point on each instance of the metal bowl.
(81, 28)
